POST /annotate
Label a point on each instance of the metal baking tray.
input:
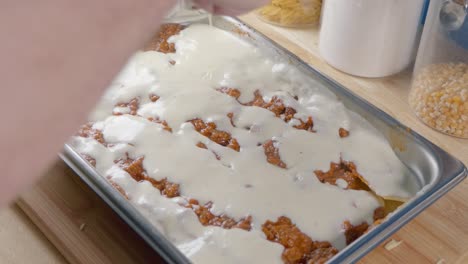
(437, 172)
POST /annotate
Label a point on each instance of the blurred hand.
(230, 7)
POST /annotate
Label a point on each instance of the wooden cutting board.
(83, 228)
(86, 230)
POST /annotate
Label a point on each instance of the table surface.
(22, 242)
(438, 235)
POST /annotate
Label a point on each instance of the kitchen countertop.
(439, 234)
(22, 242)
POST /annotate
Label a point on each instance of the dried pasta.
(292, 12)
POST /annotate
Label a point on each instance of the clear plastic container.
(291, 13)
(370, 38)
(185, 11)
(439, 91)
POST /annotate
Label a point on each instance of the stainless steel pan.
(436, 171)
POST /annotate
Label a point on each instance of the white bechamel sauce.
(240, 183)
(121, 110)
(342, 183)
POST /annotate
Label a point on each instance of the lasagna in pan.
(236, 156)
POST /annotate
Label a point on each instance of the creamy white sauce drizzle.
(342, 183)
(240, 183)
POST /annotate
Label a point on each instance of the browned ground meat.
(299, 248)
(161, 122)
(343, 170)
(321, 255)
(231, 118)
(343, 132)
(207, 218)
(171, 190)
(159, 42)
(89, 159)
(154, 98)
(87, 131)
(272, 154)
(220, 137)
(379, 213)
(134, 168)
(118, 188)
(202, 145)
(138, 173)
(275, 105)
(230, 91)
(306, 125)
(167, 188)
(347, 171)
(286, 113)
(289, 113)
(354, 232)
(133, 106)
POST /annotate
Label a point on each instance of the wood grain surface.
(85, 230)
(22, 242)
